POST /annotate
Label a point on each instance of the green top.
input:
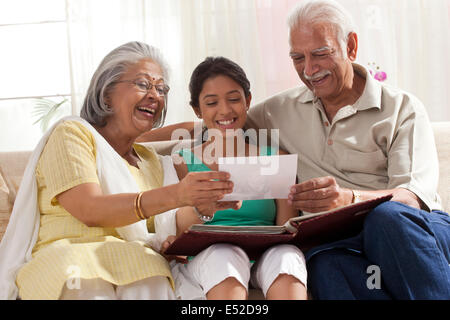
(252, 213)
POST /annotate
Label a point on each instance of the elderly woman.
(96, 192)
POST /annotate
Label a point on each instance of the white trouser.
(153, 288)
(221, 261)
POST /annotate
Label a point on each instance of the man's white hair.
(328, 11)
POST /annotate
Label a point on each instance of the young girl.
(220, 95)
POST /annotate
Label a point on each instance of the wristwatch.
(202, 217)
(356, 196)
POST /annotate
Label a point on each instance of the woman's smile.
(148, 110)
(226, 123)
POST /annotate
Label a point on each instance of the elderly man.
(358, 139)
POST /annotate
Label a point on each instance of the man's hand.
(319, 194)
(323, 194)
(407, 197)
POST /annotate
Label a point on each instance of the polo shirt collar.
(307, 96)
(370, 98)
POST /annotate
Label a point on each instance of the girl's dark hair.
(212, 67)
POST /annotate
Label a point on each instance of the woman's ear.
(248, 100)
(107, 99)
(197, 112)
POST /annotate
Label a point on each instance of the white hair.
(112, 67)
(328, 11)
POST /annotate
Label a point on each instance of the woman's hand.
(197, 189)
(165, 245)
(186, 216)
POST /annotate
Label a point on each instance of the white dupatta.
(23, 227)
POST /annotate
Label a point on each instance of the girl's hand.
(165, 245)
(209, 209)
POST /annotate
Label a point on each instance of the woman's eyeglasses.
(145, 86)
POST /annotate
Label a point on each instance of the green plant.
(45, 110)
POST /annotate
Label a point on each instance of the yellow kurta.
(67, 248)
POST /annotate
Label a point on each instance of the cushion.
(4, 219)
(4, 193)
(12, 167)
(4, 205)
(442, 139)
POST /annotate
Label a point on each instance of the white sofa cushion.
(442, 139)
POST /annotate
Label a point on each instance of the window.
(35, 65)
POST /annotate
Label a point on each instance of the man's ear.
(352, 46)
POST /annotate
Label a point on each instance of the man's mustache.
(317, 75)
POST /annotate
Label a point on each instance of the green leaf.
(45, 110)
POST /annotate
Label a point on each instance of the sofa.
(12, 166)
